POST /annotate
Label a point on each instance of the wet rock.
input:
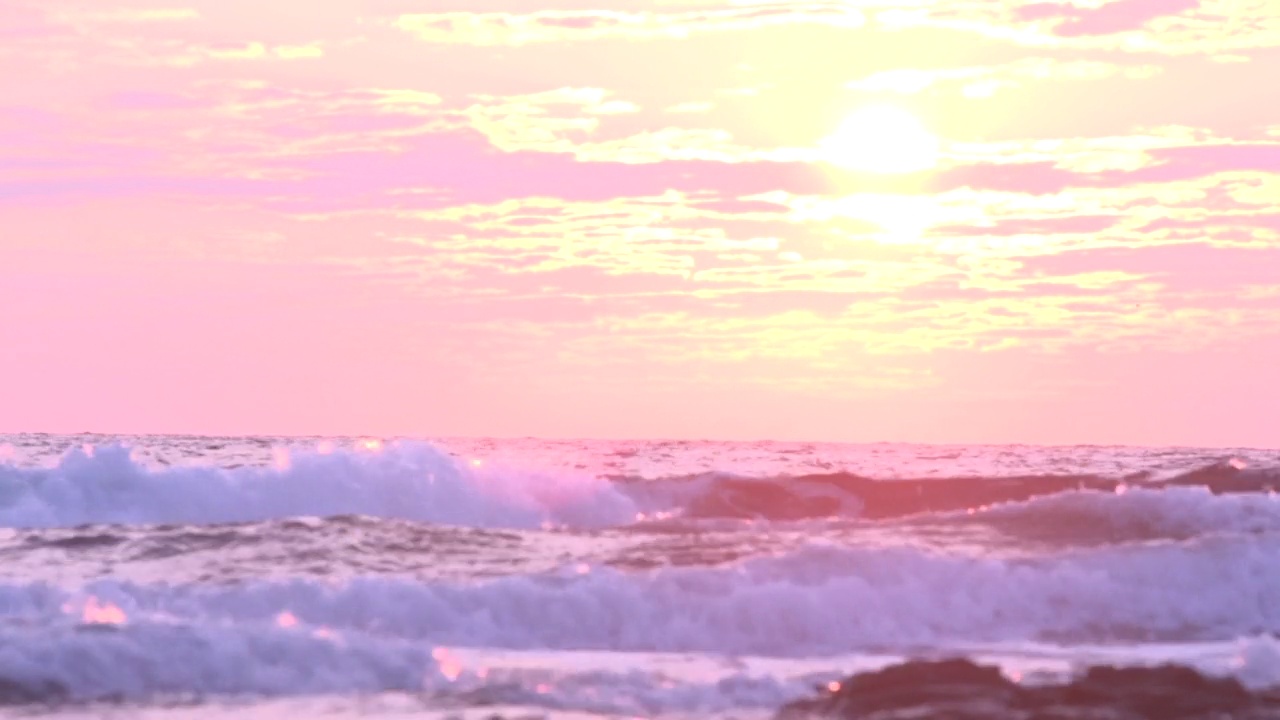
(15, 692)
(962, 690)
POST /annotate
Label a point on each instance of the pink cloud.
(465, 168)
(1168, 164)
(1111, 17)
(511, 28)
(1035, 178)
(1180, 268)
(1214, 223)
(1032, 226)
(1180, 163)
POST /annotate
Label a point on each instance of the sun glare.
(882, 139)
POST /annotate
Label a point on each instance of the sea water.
(195, 577)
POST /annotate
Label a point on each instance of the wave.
(407, 480)
(94, 661)
(166, 662)
(415, 481)
(150, 661)
(116, 659)
(815, 600)
(351, 546)
(846, 494)
(1127, 515)
(340, 546)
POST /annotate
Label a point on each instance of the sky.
(1018, 221)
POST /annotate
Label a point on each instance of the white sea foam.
(93, 649)
(156, 659)
(813, 601)
(1256, 662)
(1136, 513)
(149, 659)
(408, 480)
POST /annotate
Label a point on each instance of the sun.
(882, 139)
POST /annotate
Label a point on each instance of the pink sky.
(981, 220)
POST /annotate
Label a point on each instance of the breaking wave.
(374, 570)
(1129, 515)
(415, 481)
(813, 600)
(151, 661)
(410, 480)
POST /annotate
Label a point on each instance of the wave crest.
(1127, 515)
(405, 480)
(410, 480)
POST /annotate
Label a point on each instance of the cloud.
(1192, 161)
(1116, 16)
(248, 51)
(297, 52)
(986, 81)
(1050, 226)
(259, 51)
(1173, 273)
(702, 107)
(1226, 29)
(560, 26)
(461, 167)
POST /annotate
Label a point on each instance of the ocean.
(202, 577)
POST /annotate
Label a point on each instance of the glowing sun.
(882, 139)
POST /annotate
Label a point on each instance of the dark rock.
(1169, 691)
(962, 690)
(15, 692)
